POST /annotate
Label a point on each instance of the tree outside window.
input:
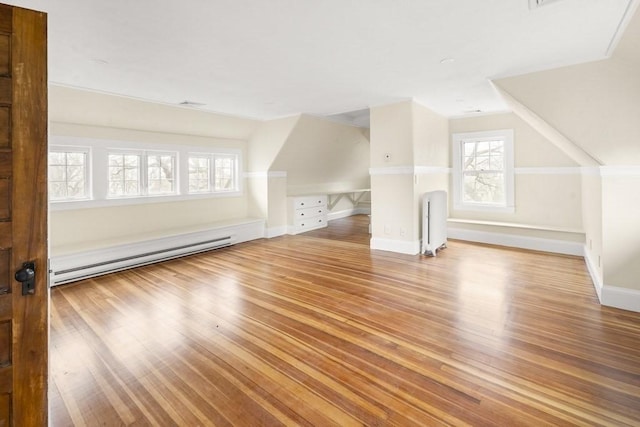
(68, 175)
(483, 171)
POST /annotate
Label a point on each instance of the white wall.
(67, 105)
(548, 186)
(266, 192)
(81, 114)
(595, 106)
(409, 156)
(324, 156)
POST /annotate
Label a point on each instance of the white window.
(68, 173)
(199, 174)
(161, 172)
(124, 174)
(224, 172)
(213, 173)
(134, 174)
(483, 171)
(86, 172)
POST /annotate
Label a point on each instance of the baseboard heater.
(88, 270)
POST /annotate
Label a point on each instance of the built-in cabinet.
(306, 213)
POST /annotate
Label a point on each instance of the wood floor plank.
(319, 330)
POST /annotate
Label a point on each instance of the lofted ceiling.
(267, 59)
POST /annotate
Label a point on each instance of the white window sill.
(138, 200)
(484, 208)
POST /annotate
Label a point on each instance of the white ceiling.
(266, 59)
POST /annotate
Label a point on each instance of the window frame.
(458, 140)
(87, 170)
(99, 174)
(175, 161)
(213, 171)
(207, 157)
(137, 153)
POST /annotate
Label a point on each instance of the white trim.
(67, 205)
(619, 170)
(623, 298)
(347, 213)
(100, 148)
(515, 225)
(88, 177)
(484, 208)
(612, 296)
(410, 170)
(593, 272)
(392, 170)
(249, 175)
(549, 171)
(457, 141)
(265, 174)
(272, 232)
(631, 171)
(622, 25)
(516, 241)
(590, 171)
(431, 170)
(398, 246)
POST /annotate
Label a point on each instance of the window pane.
(124, 175)
(76, 189)
(483, 187)
(224, 171)
(67, 175)
(482, 148)
(57, 173)
(160, 173)
(75, 158)
(199, 174)
(496, 162)
(131, 188)
(75, 173)
(57, 158)
(57, 190)
(482, 163)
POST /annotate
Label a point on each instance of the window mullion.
(144, 174)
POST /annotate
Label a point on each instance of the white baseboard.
(624, 298)
(75, 266)
(522, 242)
(593, 272)
(348, 212)
(399, 246)
(612, 296)
(275, 231)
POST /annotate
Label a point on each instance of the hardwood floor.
(310, 330)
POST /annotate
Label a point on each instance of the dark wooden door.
(23, 217)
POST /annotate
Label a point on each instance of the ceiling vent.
(192, 104)
(535, 4)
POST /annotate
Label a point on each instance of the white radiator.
(434, 222)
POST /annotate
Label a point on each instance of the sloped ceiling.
(591, 110)
(268, 59)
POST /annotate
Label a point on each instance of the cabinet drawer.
(310, 223)
(309, 201)
(310, 212)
